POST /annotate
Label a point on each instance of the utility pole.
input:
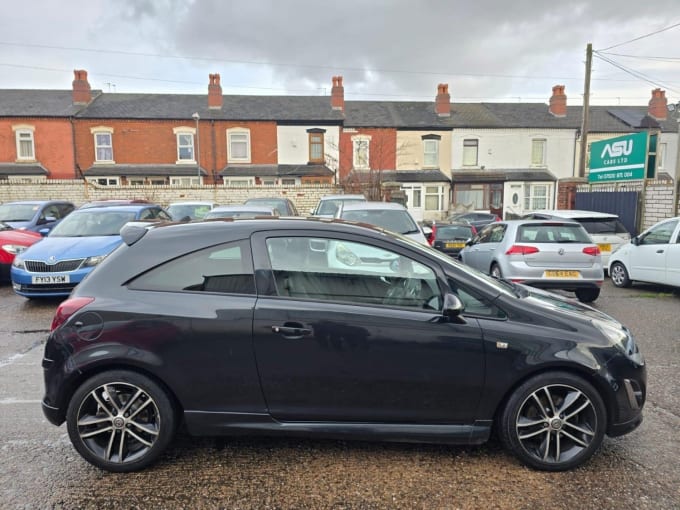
(585, 119)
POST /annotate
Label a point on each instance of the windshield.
(195, 211)
(453, 232)
(330, 207)
(92, 222)
(279, 205)
(552, 233)
(18, 212)
(395, 221)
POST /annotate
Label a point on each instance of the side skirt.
(219, 424)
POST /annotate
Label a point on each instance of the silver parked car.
(545, 254)
(388, 215)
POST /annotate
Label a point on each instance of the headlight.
(18, 262)
(621, 339)
(93, 261)
(14, 249)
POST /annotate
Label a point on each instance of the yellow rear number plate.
(561, 274)
(605, 247)
(454, 245)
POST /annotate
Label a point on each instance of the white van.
(605, 229)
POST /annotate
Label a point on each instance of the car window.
(603, 225)
(51, 211)
(338, 270)
(659, 234)
(397, 221)
(497, 232)
(453, 232)
(92, 222)
(225, 268)
(552, 233)
(474, 303)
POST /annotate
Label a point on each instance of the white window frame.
(532, 199)
(21, 131)
(158, 181)
(434, 191)
(471, 152)
(103, 130)
(231, 132)
(239, 182)
(360, 144)
(186, 180)
(661, 155)
(286, 181)
(185, 131)
(538, 151)
(105, 181)
(431, 153)
(136, 181)
(269, 181)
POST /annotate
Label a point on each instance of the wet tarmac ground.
(40, 469)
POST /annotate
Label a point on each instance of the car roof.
(268, 199)
(119, 208)
(241, 207)
(37, 202)
(192, 202)
(574, 213)
(343, 197)
(381, 206)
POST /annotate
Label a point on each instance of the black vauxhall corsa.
(318, 328)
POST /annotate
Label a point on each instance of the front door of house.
(414, 200)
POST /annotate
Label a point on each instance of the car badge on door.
(561, 251)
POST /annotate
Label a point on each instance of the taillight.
(592, 250)
(68, 308)
(518, 249)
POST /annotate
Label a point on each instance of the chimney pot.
(658, 105)
(338, 94)
(442, 103)
(558, 102)
(214, 92)
(82, 94)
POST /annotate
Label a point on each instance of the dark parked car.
(36, 215)
(476, 219)
(277, 326)
(284, 206)
(450, 238)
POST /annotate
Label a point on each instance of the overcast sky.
(486, 50)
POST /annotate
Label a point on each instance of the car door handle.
(659, 251)
(293, 332)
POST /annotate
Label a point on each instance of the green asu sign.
(623, 158)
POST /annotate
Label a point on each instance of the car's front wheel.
(587, 295)
(120, 421)
(554, 421)
(619, 275)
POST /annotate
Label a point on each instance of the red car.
(13, 241)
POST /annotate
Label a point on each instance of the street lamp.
(197, 117)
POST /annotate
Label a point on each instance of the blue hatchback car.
(74, 247)
(36, 215)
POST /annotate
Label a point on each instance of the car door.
(351, 330)
(650, 258)
(673, 259)
(482, 252)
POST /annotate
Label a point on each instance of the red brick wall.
(154, 142)
(382, 149)
(53, 144)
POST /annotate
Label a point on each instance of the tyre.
(120, 421)
(587, 295)
(553, 422)
(619, 275)
(495, 271)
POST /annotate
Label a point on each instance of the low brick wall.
(79, 192)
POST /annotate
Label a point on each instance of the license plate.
(46, 280)
(454, 245)
(605, 247)
(561, 274)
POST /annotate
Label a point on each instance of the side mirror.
(470, 241)
(44, 231)
(635, 240)
(453, 307)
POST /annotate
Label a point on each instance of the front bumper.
(627, 381)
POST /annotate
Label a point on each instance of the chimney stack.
(214, 92)
(338, 94)
(658, 105)
(558, 102)
(81, 87)
(442, 103)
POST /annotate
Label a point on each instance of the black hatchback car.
(450, 238)
(318, 328)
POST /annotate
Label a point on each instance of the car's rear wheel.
(554, 421)
(619, 275)
(120, 421)
(587, 295)
(496, 271)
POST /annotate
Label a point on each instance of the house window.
(470, 152)
(269, 182)
(434, 198)
(360, 159)
(661, 155)
(106, 181)
(103, 144)
(158, 181)
(238, 141)
(538, 152)
(185, 181)
(288, 182)
(137, 181)
(238, 183)
(316, 144)
(535, 197)
(185, 147)
(472, 196)
(431, 154)
(25, 144)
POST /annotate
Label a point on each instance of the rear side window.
(225, 268)
(603, 225)
(552, 233)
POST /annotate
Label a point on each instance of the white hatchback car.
(605, 229)
(652, 257)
